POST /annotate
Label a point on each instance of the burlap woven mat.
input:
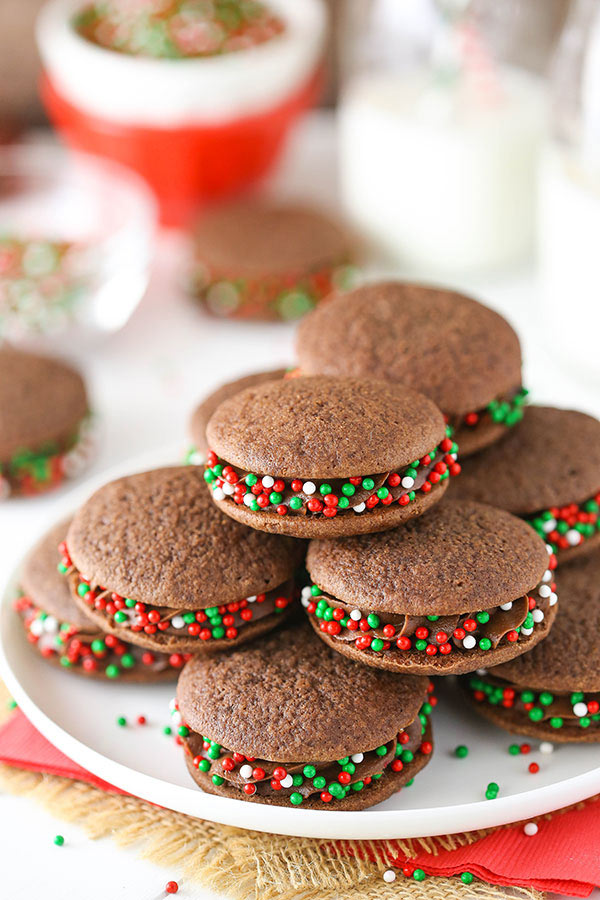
(245, 865)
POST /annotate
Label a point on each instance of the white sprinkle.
(305, 601)
(526, 631)
(469, 642)
(506, 606)
(530, 829)
(357, 757)
(538, 615)
(544, 590)
(268, 481)
(218, 494)
(549, 526)
(573, 537)
(251, 599)
(360, 507)
(36, 627)
(553, 598)
(309, 487)
(177, 622)
(176, 716)
(50, 625)
(356, 615)
(389, 875)
(306, 591)
(248, 498)
(287, 781)
(547, 575)
(246, 771)
(196, 458)
(227, 488)
(482, 672)
(546, 747)
(407, 481)
(172, 703)
(580, 709)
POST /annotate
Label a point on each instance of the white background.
(144, 383)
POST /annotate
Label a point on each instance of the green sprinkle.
(12, 704)
(368, 484)
(514, 749)
(275, 498)
(112, 671)
(319, 782)
(377, 644)
(373, 620)
(485, 643)
(382, 493)
(348, 489)
(167, 730)
(59, 840)
(82, 589)
(433, 618)
(466, 877)
(122, 721)
(527, 697)
(183, 731)
(315, 591)
(556, 722)
(483, 617)
(309, 771)
(461, 751)
(204, 765)
(297, 780)
(536, 714)
(120, 616)
(129, 603)
(381, 751)
(357, 786)
(325, 489)
(216, 779)
(407, 756)
(419, 875)
(577, 697)
(296, 503)
(251, 480)
(189, 618)
(218, 633)
(295, 798)
(546, 698)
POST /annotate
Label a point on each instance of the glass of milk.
(569, 195)
(438, 160)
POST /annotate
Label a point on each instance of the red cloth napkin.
(563, 857)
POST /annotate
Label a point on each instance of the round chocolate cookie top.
(569, 660)
(158, 538)
(46, 586)
(203, 412)
(41, 400)
(450, 347)
(290, 698)
(552, 458)
(457, 558)
(325, 427)
(258, 237)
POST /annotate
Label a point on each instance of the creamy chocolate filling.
(222, 622)
(557, 708)
(93, 651)
(330, 497)
(391, 634)
(296, 781)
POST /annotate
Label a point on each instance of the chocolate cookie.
(152, 560)
(65, 635)
(552, 693)
(548, 472)
(288, 721)
(461, 354)
(202, 413)
(44, 422)
(323, 456)
(257, 259)
(465, 585)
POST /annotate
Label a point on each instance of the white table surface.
(144, 382)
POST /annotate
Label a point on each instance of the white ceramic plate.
(79, 716)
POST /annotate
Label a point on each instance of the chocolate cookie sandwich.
(152, 560)
(65, 635)
(323, 456)
(548, 472)
(461, 354)
(552, 693)
(256, 259)
(286, 721)
(202, 413)
(464, 586)
(45, 423)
